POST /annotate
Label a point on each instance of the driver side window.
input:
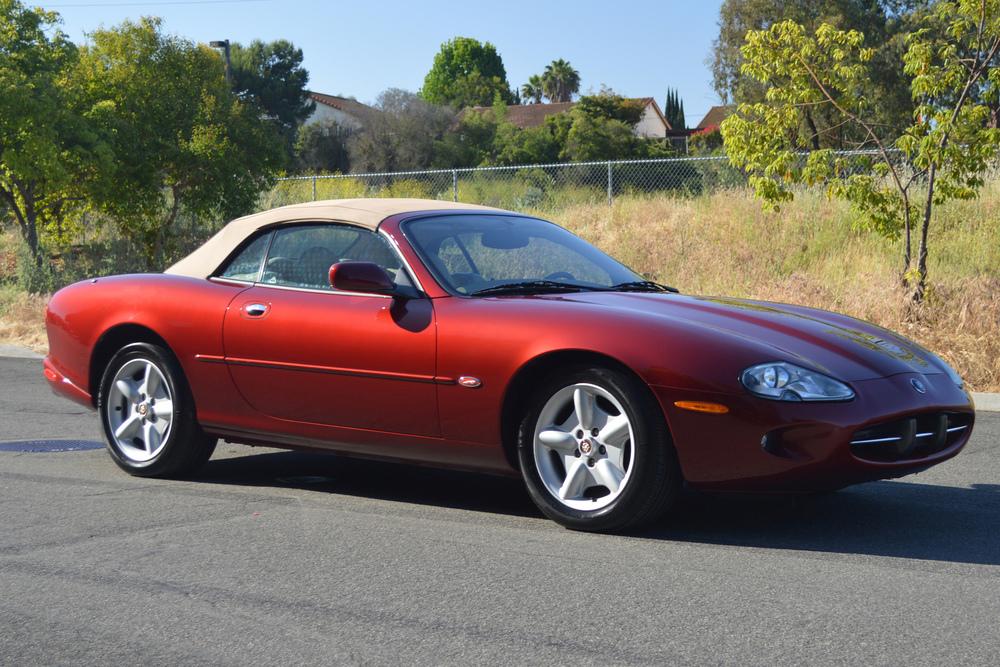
(301, 256)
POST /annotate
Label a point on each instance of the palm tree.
(533, 91)
(560, 81)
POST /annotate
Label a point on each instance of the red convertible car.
(469, 337)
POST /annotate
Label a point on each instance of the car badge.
(919, 386)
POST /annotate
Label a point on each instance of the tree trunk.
(907, 241)
(162, 233)
(27, 223)
(815, 132)
(921, 286)
(31, 238)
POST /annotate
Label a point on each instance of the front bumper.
(762, 445)
(63, 386)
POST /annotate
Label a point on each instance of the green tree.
(533, 145)
(611, 106)
(602, 127)
(46, 150)
(598, 127)
(953, 65)
(467, 72)
(181, 140)
(560, 81)
(673, 110)
(470, 142)
(885, 23)
(597, 138)
(533, 91)
(270, 75)
(322, 146)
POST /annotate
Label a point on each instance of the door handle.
(255, 309)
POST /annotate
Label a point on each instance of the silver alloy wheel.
(583, 447)
(139, 410)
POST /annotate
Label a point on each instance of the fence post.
(610, 190)
(314, 188)
(454, 184)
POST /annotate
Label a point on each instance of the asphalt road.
(288, 558)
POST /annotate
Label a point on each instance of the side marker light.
(702, 406)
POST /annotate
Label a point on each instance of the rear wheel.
(595, 452)
(147, 414)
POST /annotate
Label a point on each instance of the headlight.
(781, 381)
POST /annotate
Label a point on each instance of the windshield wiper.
(531, 287)
(643, 286)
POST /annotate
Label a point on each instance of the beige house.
(344, 111)
(653, 124)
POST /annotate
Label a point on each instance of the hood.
(834, 344)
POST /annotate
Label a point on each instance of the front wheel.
(147, 413)
(595, 452)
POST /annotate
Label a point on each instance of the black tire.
(655, 480)
(186, 446)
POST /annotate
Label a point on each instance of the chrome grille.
(914, 437)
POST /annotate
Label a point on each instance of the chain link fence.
(539, 186)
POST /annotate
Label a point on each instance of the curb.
(985, 401)
(18, 352)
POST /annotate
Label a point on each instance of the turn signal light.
(702, 406)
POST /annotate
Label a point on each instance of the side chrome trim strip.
(229, 281)
(210, 358)
(330, 370)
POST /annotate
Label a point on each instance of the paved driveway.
(290, 558)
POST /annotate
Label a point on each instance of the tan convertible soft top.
(368, 213)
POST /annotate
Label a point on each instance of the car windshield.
(477, 254)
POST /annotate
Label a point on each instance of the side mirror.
(361, 277)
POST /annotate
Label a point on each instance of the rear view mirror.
(361, 277)
(504, 239)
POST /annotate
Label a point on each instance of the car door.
(300, 351)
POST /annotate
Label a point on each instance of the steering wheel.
(560, 275)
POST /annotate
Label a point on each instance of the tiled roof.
(345, 104)
(533, 115)
(530, 115)
(715, 116)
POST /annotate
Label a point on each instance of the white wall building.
(344, 111)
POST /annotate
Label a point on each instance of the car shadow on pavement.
(893, 518)
(379, 480)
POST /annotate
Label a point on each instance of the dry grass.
(22, 320)
(724, 244)
(808, 253)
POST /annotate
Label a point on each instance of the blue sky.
(638, 48)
